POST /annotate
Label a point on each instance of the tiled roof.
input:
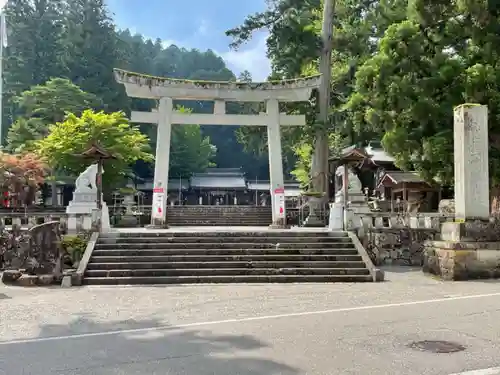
(176, 184)
(374, 151)
(399, 177)
(222, 171)
(220, 181)
(379, 154)
(222, 178)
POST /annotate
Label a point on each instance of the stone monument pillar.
(472, 192)
(469, 247)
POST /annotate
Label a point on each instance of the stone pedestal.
(279, 224)
(85, 203)
(314, 220)
(129, 218)
(358, 204)
(336, 217)
(468, 250)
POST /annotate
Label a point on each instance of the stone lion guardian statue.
(87, 181)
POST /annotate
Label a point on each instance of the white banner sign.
(158, 203)
(279, 202)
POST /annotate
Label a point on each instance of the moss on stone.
(468, 105)
(150, 81)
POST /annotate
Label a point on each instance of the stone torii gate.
(165, 90)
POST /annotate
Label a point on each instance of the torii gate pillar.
(162, 163)
(277, 186)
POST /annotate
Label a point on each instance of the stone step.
(226, 251)
(225, 272)
(225, 279)
(260, 221)
(219, 208)
(218, 217)
(219, 221)
(208, 223)
(224, 258)
(218, 214)
(198, 256)
(231, 220)
(198, 241)
(225, 245)
(228, 264)
(186, 235)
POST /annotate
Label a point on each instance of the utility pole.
(319, 167)
(3, 44)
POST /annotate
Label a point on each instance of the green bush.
(75, 246)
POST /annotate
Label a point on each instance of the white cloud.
(253, 59)
(203, 28)
(168, 42)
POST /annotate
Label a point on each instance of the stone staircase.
(225, 257)
(219, 216)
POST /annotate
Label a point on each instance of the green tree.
(444, 54)
(190, 152)
(35, 50)
(293, 40)
(245, 76)
(35, 53)
(44, 105)
(407, 92)
(294, 46)
(304, 151)
(91, 47)
(68, 139)
(77, 40)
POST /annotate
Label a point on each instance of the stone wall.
(465, 250)
(397, 238)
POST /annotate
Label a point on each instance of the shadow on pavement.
(137, 347)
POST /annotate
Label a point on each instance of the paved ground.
(314, 329)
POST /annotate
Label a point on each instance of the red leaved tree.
(20, 176)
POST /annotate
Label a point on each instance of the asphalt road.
(317, 329)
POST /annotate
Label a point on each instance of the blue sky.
(197, 24)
